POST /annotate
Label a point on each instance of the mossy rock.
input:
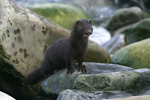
(99, 77)
(62, 14)
(138, 32)
(135, 55)
(108, 81)
(125, 16)
(12, 82)
(60, 81)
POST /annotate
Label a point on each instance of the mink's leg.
(70, 70)
(81, 67)
(67, 59)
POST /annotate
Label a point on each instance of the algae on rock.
(62, 14)
(138, 32)
(135, 55)
(108, 81)
(125, 16)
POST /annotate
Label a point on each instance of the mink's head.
(83, 27)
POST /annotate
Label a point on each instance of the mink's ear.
(75, 23)
(89, 20)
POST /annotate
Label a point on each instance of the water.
(27, 3)
(100, 35)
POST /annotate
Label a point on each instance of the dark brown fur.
(64, 51)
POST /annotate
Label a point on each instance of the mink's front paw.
(83, 68)
(70, 70)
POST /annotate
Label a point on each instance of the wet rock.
(106, 81)
(135, 55)
(93, 95)
(137, 32)
(111, 81)
(145, 97)
(123, 17)
(61, 80)
(73, 94)
(116, 43)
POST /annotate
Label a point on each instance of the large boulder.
(72, 94)
(62, 14)
(24, 38)
(138, 31)
(145, 97)
(135, 55)
(60, 81)
(124, 81)
(99, 78)
(125, 16)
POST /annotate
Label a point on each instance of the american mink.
(63, 52)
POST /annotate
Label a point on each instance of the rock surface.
(101, 76)
(123, 17)
(145, 97)
(25, 36)
(59, 12)
(72, 94)
(128, 84)
(93, 95)
(139, 31)
(124, 81)
(61, 80)
(135, 55)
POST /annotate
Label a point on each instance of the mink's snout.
(89, 32)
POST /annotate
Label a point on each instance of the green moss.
(109, 81)
(138, 31)
(96, 53)
(135, 55)
(62, 14)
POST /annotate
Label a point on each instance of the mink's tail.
(35, 76)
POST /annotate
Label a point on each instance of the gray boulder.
(71, 94)
(125, 16)
(137, 32)
(100, 82)
(111, 81)
(135, 55)
(60, 81)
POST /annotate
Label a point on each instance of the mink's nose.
(90, 32)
